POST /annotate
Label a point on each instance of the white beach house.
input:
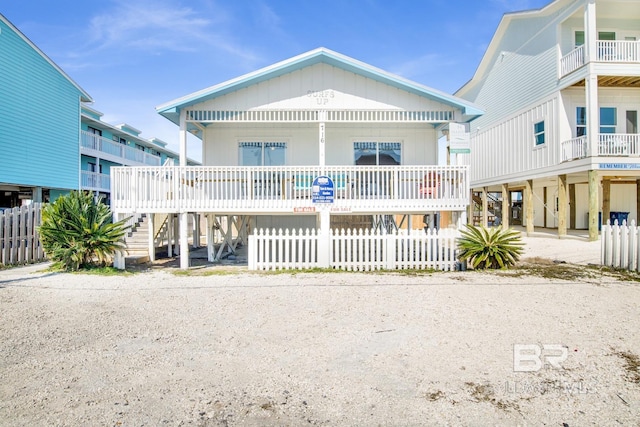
(561, 91)
(268, 135)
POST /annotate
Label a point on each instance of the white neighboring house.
(561, 88)
(266, 136)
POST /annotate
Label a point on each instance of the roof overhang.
(171, 109)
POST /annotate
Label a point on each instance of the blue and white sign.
(322, 190)
(619, 165)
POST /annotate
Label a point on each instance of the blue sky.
(132, 55)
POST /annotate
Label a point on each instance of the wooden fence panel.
(19, 239)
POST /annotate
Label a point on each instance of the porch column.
(606, 200)
(593, 205)
(184, 241)
(324, 238)
(176, 234)
(485, 208)
(544, 207)
(151, 227)
(590, 32)
(183, 138)
(562, 205)
(528, 206)
(321, 139)
(506, 204)
(170, 235)
(593, 114)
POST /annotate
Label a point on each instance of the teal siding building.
(103, 146)
(40, 107)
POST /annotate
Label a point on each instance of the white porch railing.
(572, 61)
(128, 155)
(618, 144)
(627, 51)
(354, 250)
(282, 189)
(609, 144)
(622, 51)
(575, 148)
(95, 181)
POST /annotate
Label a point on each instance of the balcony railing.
(609, 144)
(95, 181)
(620, 51)
(379, 189)
(127, 155)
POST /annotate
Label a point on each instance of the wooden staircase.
(137, 239)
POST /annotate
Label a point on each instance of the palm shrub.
(489, 247)
(77, 231)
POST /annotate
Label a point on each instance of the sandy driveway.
(320, 349)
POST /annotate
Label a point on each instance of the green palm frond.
(492, 248)
(77, 231)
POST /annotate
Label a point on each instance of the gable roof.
(85, 97)
(492, 50)
(171, 109)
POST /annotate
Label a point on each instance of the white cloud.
(159, 26)
(421, 65)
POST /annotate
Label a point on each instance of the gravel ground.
(156, 348)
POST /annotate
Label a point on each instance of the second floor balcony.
(607, 51)
(609, 145)
(95, 181)
(98, 146)
(288, 189)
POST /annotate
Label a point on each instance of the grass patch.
(631, 365)
(484, 393)
(104, 271)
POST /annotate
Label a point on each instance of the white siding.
(508, 148)
(419, 142)
(322, 86)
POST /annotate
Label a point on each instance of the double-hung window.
(538, 133)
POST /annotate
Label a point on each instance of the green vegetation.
(492, 248)
(77, 232)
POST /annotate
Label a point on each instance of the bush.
(77, 231)
(485, 247)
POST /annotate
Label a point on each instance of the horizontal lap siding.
(39, 118)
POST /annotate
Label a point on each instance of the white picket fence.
(19, 240)
(620, 246)
(353, 250)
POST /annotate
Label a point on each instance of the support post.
(528, 206)
(572, 206)
(196, 230)
(324, 240)
(485, 208)
(170, 235)
(152, 244)
(176, 234)
(562, 206)
(506, 204)
(118, 257)
(184, 241)
(593, 205)
(545, 203)
(606, 200)
(210, 248)
(590, 33)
